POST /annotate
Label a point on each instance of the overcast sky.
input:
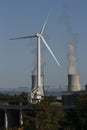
(26, 17)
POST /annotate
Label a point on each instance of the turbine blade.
(50, 50)
(17, 38)
(43, 27)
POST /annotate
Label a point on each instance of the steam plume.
(72, 60)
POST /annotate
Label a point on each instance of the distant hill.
(13, 91)
(19, 90)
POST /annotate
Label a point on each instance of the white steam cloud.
(72, 60)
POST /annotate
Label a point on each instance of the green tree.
(82, 110)
(77, 118)
(44, 116)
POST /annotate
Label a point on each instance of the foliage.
(77, 118)
(50, 99)
(21, 98)
(82, 110)
(45, 115)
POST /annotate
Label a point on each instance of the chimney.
(34, 85)
(73, 82)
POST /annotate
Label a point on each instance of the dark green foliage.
(50, 99)
(47, 117)
(48, 114)
(82, 110)
(76, 119)
(21, 98)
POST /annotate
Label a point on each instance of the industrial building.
(11, 114)
(69, 97)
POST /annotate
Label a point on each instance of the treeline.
(52, 117)
(49, 115)
(21, 98)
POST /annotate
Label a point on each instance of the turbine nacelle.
(37, 35)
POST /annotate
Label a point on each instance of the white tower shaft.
(38, 62)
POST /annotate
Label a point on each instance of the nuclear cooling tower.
(34, 86)
(73, 82)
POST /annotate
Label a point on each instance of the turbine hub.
(37, 34)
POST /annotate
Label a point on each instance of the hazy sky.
(67, 18)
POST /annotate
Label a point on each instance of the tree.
(82, 110)
(44, 116)
(77, 118)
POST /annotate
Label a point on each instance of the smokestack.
(34, 85)
(73, 82)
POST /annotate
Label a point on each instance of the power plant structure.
(37, 93)
(69, 97)
(73, 82)
(11, 114)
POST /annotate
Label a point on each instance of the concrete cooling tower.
(34, 87)
(73, 82)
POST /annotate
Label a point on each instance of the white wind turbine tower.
(39, 37)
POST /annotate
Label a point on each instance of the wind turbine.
(40, 37)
